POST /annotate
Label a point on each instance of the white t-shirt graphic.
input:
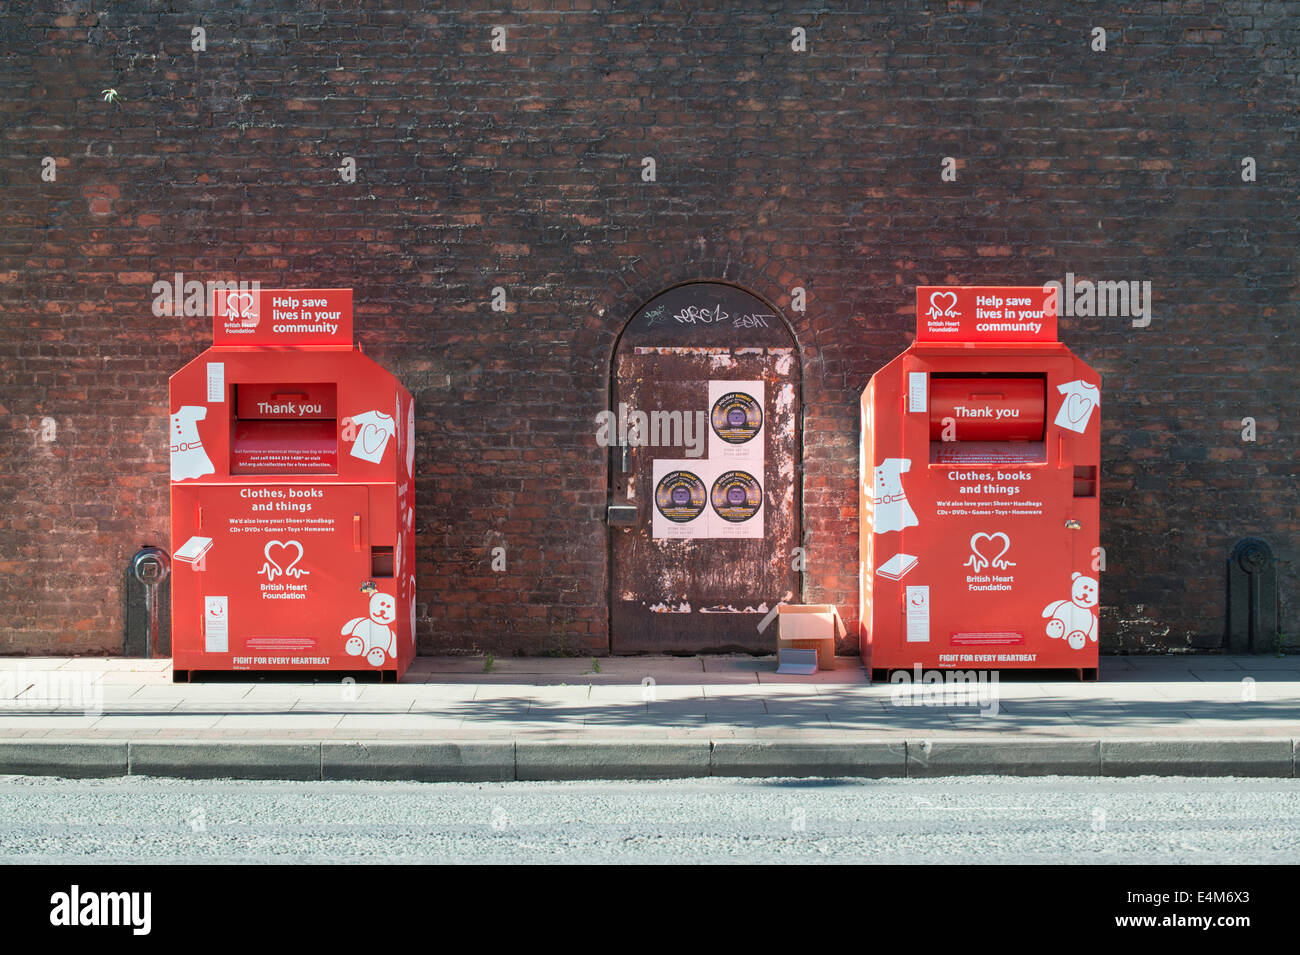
(374, 429)
(189, 460)
(1076, 410)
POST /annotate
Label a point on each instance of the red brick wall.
(521, 169)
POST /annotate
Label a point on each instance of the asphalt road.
(971, 819)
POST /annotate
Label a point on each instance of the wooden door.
(705, 473)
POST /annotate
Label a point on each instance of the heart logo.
(1078, 408)
(273, 567)
(942, 303)
(981, 551)
(240, 305)
(372, 438)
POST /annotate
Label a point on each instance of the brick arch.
(647, 276)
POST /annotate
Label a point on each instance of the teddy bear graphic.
(1076, 618)
(373, 637)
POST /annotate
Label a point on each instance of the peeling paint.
(682, 607)
(785, 398)
(680, 350)
(761, 608)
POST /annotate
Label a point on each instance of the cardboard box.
(810, 627)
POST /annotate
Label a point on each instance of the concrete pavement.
(649, 717)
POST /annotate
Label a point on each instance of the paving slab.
(659, 692)
(420, 722)
(157, 721)
(29, 722)
(194, 691)
(1259, 675)
(273, 721)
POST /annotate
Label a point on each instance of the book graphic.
(897, 567)
(192, 551)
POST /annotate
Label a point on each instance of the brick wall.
(522, 169)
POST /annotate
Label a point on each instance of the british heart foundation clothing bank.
(979, 493)
(292, 494)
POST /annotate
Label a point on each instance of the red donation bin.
(978, 501)
(292, 494)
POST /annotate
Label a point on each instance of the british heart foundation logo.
(942, 305)
(282, 558)
(985, 552)
(241, 309)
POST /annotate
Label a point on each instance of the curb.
(601, 759)
(1012, 757)
(467, 762)
(72, 760)
(867, 760)
(1242, 757)
(541, 760)
(220, 760)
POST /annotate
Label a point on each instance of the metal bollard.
(1253, 616)
(150, 566)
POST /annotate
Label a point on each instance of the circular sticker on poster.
(737, 496)
(680, 496)
(737, 417)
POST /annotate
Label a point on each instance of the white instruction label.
(216, 625)
(918, 614)
(916, 390)
(216, 381)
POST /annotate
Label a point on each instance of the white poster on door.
(736, 500)
(737, 428)
(680, 498)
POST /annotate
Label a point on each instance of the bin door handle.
(356, 532)
(198, 517)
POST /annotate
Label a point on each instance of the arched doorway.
(704, 491)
